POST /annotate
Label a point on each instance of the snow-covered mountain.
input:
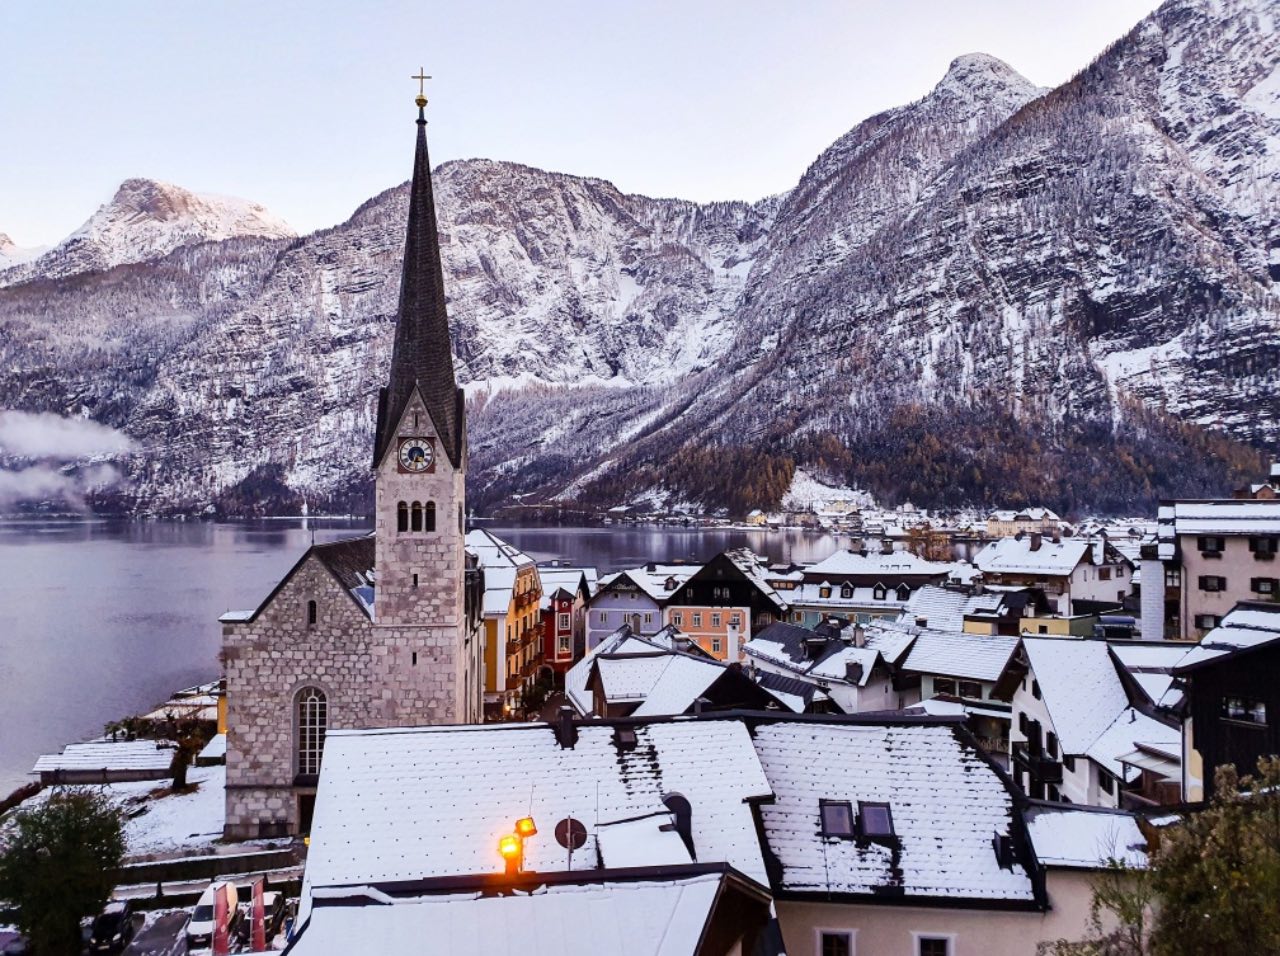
(144, 221)
(994, 291)
(11, 254)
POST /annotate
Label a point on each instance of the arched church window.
(430, 516)
(311, 613)
(313, 721)
(402, 517)
(416, 523)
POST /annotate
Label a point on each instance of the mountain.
(144, 221)
(11, 254)
(994, 294)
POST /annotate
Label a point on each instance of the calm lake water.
(102, 619)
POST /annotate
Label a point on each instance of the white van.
(200, 927)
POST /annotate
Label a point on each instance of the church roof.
(349, 560)
(422, 357)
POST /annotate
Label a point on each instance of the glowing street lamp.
(510, 849)
(525, 827)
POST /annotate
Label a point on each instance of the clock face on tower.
(416, 454)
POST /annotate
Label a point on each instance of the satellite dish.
(571, 834)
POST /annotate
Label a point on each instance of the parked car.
(113, 928)
(274, 909)
(201, 927)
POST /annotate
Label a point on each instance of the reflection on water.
(101, 619)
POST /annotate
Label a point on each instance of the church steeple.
(421, 356)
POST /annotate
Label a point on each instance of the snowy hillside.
(11, 254)
(994, 293)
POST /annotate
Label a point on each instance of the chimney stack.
(1036, 540)
(859, 636)
(566, 732)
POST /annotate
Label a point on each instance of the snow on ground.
(810, 491)
(172, 823)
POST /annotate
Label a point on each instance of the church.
(380, 630)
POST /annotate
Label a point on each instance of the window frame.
(310, 729)
(821, 932)
(919, 938)
(1246, 713)
(847, 805)
(962, 685)
(864, 805)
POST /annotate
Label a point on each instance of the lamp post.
(511, 846)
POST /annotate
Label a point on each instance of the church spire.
(421, 355)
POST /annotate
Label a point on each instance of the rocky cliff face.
(996, 274)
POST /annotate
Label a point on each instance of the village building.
(1207, 557)
(1005, 524)
(635, 597)
(721, 605)
(857, 585)
(1232, 710)
(372, 631)
(1073, 723)
(661, 682)
(816, 835)
(843, 676)
(563, 606)
(620, 643)
(513, 626)
(1262, 490)
(975, 608)
(1077, 575)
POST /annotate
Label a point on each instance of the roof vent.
(853, 671)
(624, 738)
(566, 732)
(922, 622)
(681, 819)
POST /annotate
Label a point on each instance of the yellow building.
(512, 622)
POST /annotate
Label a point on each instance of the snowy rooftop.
(1151, 667)
(1243, 628)
(1082, 838)
(784, 645)
(1026, 514)
(945, 800)
(501, 563)
(1228, 516)
(108, 755)
(841, 597)
(644, 918)
(1127, 731)
(946, 608)
(1080, 687)
(652, 579)
(620, 642)
(433, 802)
(898, 564)
(1015, 556)
(982, 657)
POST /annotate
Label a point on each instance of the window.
(1207, 622)
(313, 720)
(835, 944)
(1264, 549)
(1264, 586)
(1211, 546)
(311, 614)
(1022, 722)
(564, 645)
(824, 592)
(563, 621)
(1051, 744)
(944, 685)
(933, 946)
(1212, 582)
(904, 592)
(1042, 628)
(402, 517)
(604, 617)
(971, 688)
(415, 580)
(716, 646)
(879, 592)
(1106, 782)
(846, 591)
(1035, 689)
(697, 620)
(1104, 574)
(429, 513)
(836, 817)
(1172, 578)
(677, 619)
(875, 821)
(415, 517)
(1069, 764)
(797, 617)
(1245, 709)
(648, 617)
(715, 620)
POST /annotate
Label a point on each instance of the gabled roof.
(745, 562)
(946, 801)
(794, 694)
(621, 642)
(1227, 516)
(1150, 666)
(1015, 556)
(349, 560)
(784, 645)
(1129, 730)
(1080, 688)
(1084, 838)
(421, 356)
(137, 755)
(651, 579)
(417, 803)
(981, 657)
(1247, 627)
(501, 562)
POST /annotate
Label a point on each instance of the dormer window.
(846, 591)
(824, 591)
(904, 592)
(670, 584)
(875, 822)
(879, 592)
(837, 818)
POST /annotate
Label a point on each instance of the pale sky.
(307, 107)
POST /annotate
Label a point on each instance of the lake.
(103, 619)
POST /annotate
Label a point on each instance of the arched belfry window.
(431, 516)
(415, 523)
(313, 721)
(402, 517)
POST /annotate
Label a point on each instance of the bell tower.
(420, 449)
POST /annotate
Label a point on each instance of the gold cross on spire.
(422, 77)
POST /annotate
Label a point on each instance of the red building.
(565, 592)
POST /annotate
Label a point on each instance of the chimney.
(700, 703)
(566, 732)
(886, 546)
(1035, 540)
(859, 636)
(922, 622)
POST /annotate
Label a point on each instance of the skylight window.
(837, 818)
(875, 821)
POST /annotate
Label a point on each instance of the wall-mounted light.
(525, 827)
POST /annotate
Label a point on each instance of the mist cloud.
(66, 486)
(44, 435)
